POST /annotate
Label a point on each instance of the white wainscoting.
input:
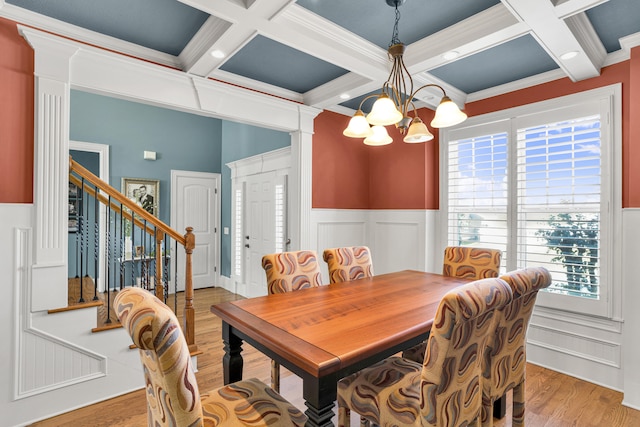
(599, 350)
(631, 307)
(398, 239)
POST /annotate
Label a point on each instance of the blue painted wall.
(182, 141)
(240, 141)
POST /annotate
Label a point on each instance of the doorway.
(259, 215)
(195, 202)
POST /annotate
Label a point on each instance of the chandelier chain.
(395, 38)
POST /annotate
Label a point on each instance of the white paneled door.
(265, 225)
(195, 202)
(260, 229)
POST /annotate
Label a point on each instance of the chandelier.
(394, 103)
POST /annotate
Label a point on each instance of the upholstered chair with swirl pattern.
(465, 262)
(471, 263)
(286, 272)
(507, 356)
(348, 263)
(445, 390)
(173, 398)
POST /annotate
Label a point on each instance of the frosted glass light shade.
(418, 132)
(358, 126)
(379, 137)
(384, 112)
(447, 114)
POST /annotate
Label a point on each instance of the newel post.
(189, 312)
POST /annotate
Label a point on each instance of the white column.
(300, 182)
(51, 168)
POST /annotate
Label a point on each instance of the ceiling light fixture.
(452, 54)
(217, 54)
(395, 103)
(569, 55)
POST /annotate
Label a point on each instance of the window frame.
(609, 101)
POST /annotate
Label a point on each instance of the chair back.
(291, 271)
(173, 398)
(451, 382)
(471, 263)
(348, 263)
(507, 354)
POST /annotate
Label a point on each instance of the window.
(238, 230)
(537, 182)
(280, 214)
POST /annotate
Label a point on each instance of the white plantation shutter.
(559, 202)
(537, 182)
(477, 192)
(280, 214)
(238, 231)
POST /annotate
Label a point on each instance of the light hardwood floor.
(553, 399)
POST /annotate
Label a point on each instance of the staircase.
(83, 294)
(138, 248)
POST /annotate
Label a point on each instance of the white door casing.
(263, 214)
(195, 202)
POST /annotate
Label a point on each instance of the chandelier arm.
(428, 85)
(405, 106)
(365, 98)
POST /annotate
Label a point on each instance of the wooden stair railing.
(141, 219)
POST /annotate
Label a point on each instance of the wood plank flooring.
(553, 399)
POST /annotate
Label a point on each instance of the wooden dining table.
(325, 333)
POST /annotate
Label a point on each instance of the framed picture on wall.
(143, 192)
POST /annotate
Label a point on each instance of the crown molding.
(84, 36)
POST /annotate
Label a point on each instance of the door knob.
(246, 246)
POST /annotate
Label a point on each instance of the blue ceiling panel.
(163, 25)
(373, 19)
(520, 58)
(268, 61)
(624, 14)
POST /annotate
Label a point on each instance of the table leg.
(232, 362)
(319, 395)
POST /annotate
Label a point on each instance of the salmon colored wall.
(350, 175)
(617, 73)
(16, 116)
(340, 165)
(405, 176)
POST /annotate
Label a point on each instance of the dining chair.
(286, 272)
(173, 398)
(348, 263)
(507, 356)
(446, 388)
(464, 262)
(470, 262)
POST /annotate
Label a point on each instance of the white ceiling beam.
(567, 8)
(558, 36)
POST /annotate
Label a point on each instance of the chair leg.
(518, 405)
(344, 416)
(275, 376)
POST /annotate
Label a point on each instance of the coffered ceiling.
(318, 52)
